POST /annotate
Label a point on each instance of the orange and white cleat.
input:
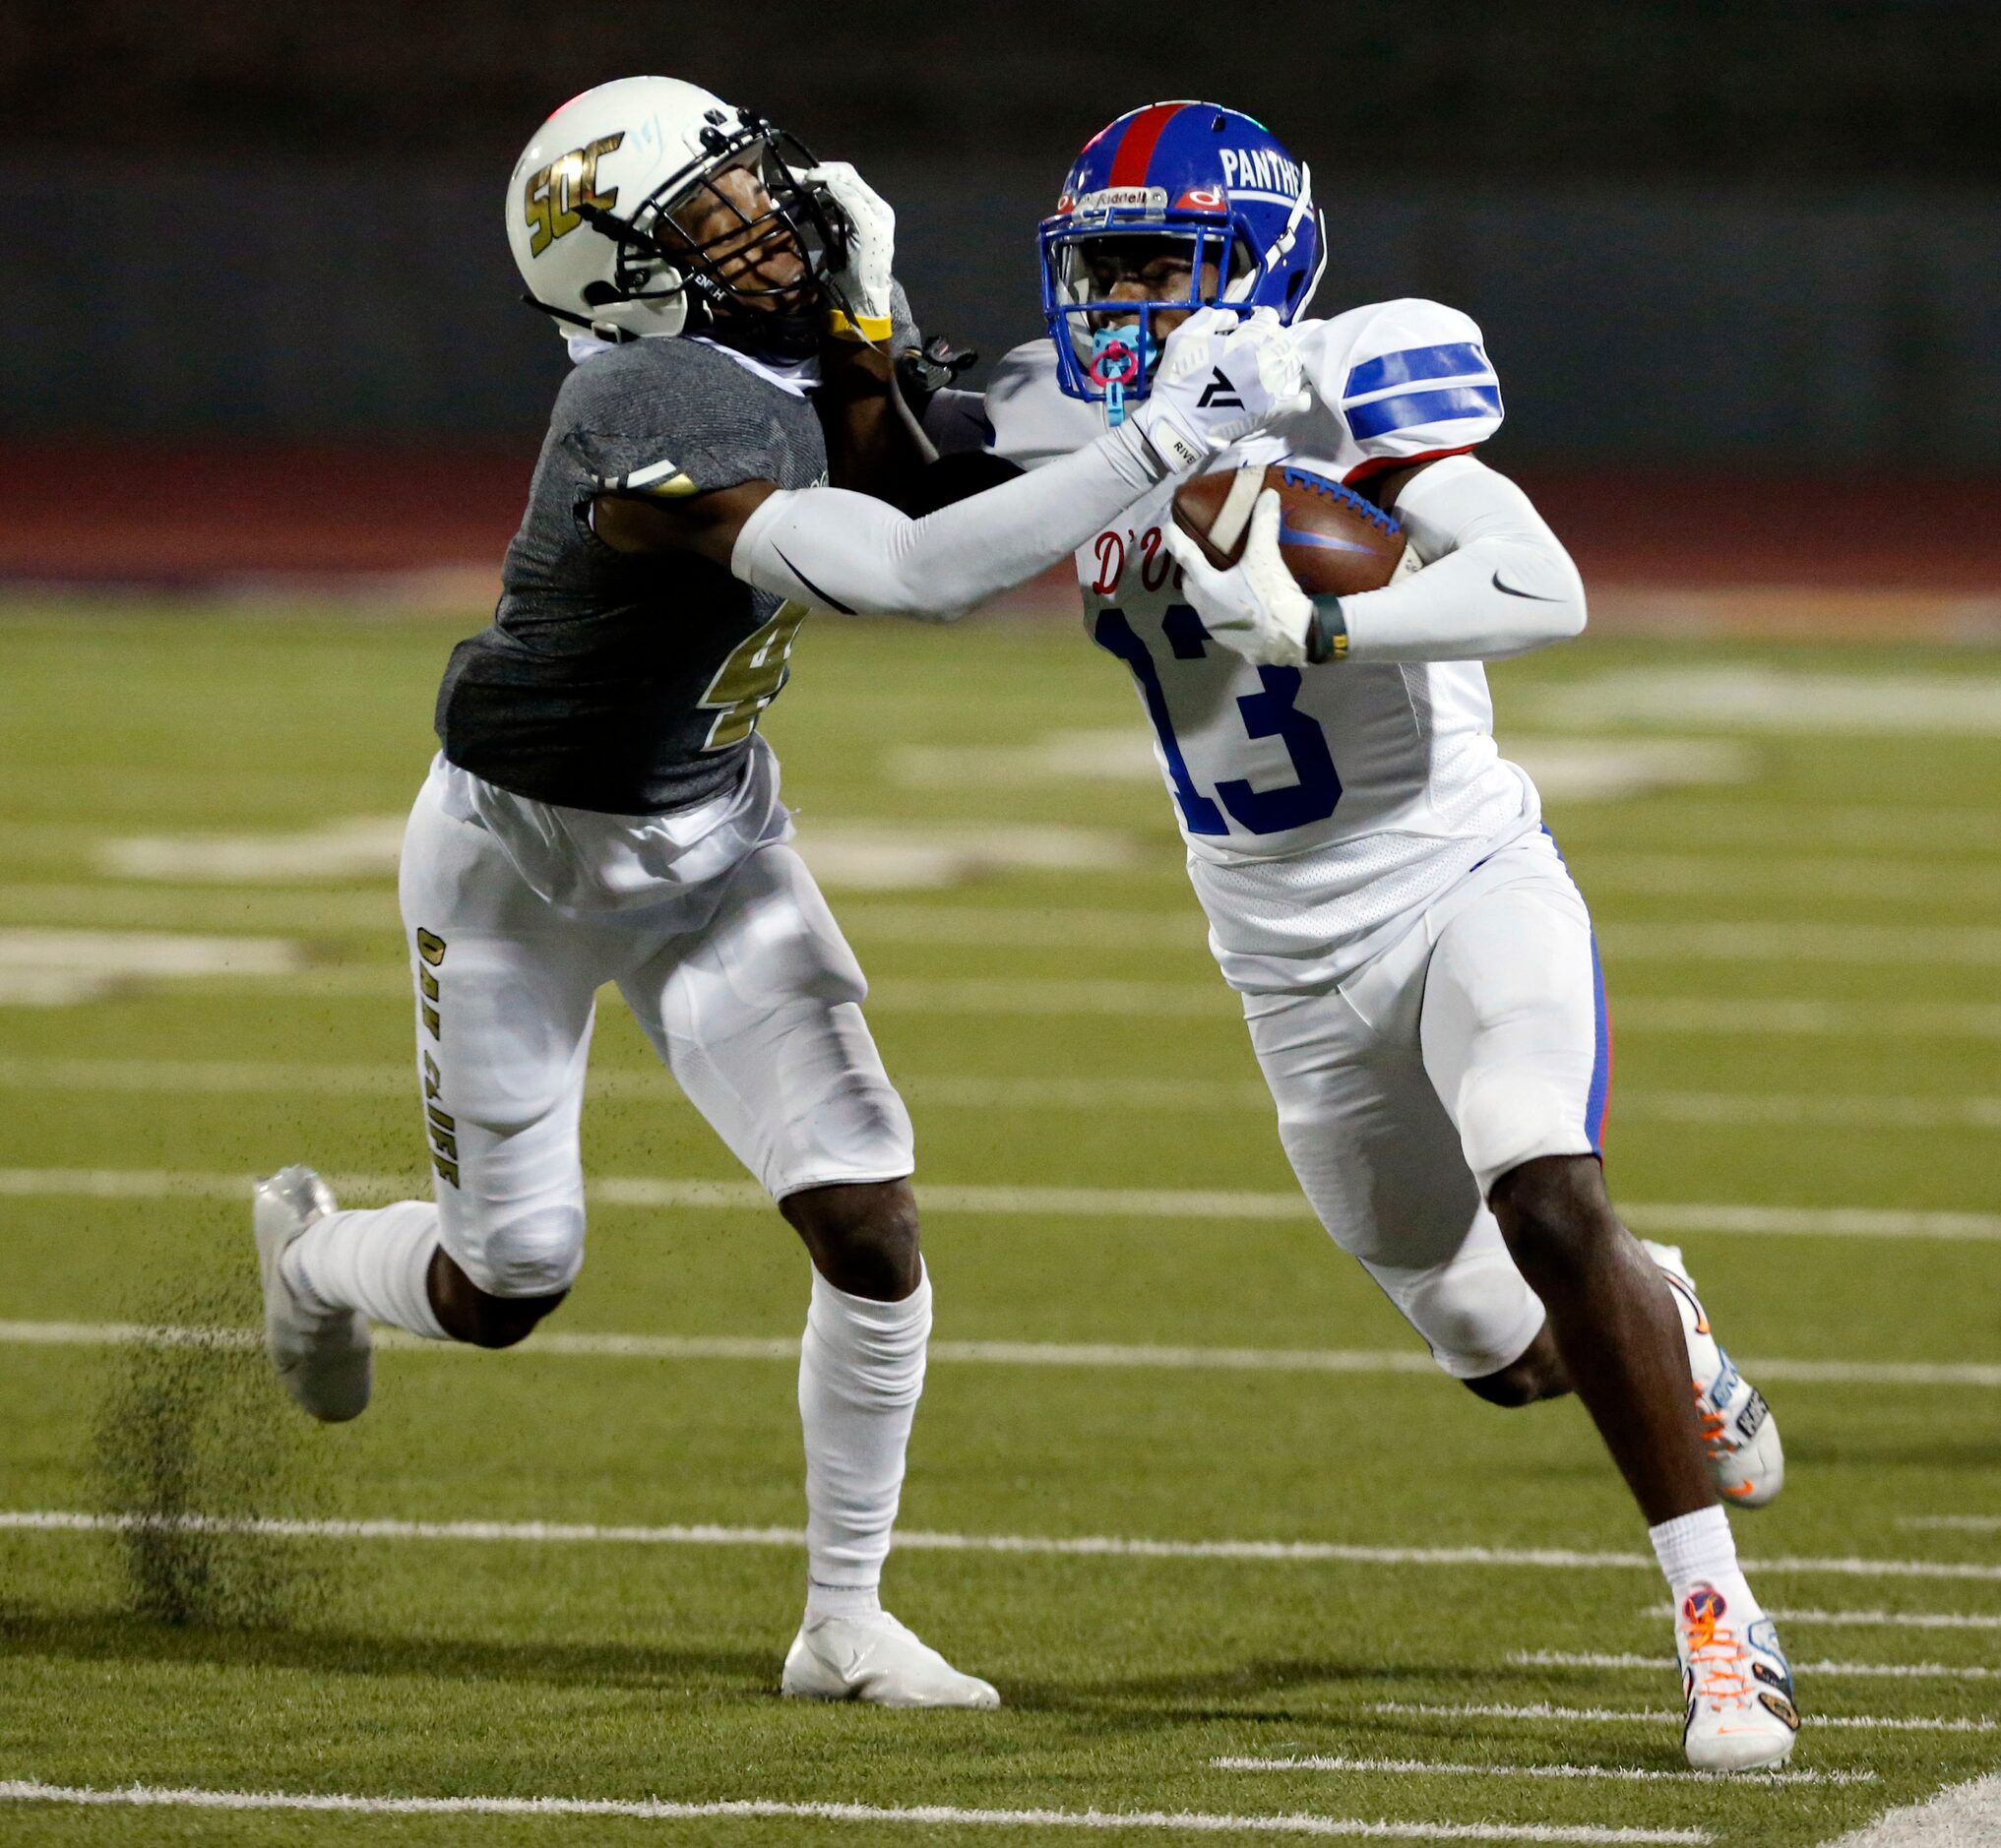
(1736, 1684)
(1737, 1426)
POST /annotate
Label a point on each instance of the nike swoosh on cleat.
(1742, 1489)
(1508, 590)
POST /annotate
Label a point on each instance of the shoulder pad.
(1409, 377)
(1031, 418)
(665, 417)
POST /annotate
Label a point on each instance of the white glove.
(860, 306)
(1255, 608)
(1219, 381)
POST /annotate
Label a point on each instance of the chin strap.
(603, 330)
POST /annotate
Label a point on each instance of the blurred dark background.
(1700, 234)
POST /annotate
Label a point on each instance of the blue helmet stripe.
(1442, 406)
(1451, 361)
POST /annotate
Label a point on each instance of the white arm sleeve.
(848, 552)
(1496, 580)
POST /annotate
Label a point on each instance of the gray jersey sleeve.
(667, 418)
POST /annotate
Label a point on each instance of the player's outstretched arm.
(848, 552)
(1496, 583)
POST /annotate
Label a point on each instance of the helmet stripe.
(1136, 146)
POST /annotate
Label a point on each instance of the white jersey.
(1320, 804)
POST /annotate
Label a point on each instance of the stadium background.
(254, 255)
(266, 411)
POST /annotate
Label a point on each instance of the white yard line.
(1759, 940)
(581, 1344)
(1869, 1620)
(1880, 1671)
(1720, 1108)
(934, 1816)
(1615, 1774)
(1795, 825)
(1677, 1219)
(1803, 1110)
(1962, 1815)
(1181, 927)
(243, 1077)
(1075, 1546)
(1953, 1523)
(1607, 1716)
(1700, 874)
(1833, 1019)
(1002, 996)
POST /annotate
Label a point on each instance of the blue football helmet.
(1190, 182)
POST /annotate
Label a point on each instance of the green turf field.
(1805, 974)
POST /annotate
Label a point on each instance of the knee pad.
(537, 1252)
(1478, 1314)
(1509, 1115)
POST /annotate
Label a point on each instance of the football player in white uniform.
(604, 809)
(1417, 970)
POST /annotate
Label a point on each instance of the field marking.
(1870, 1620)
(1760, 942)
(1966, 1813)
(1677, 1218)
(1787, 824)
(654, 1808)
(1952, 1523)
(293, 908)
(647, 1083)
(584, 1344)
(1743, 1109)
(1616, 1773)
(63, 968)
(1741, 699)
(1698, 874)
(1605, 1716)
(652, 1085)
(1002, 996)
(844, 853)
(1880, 1671)
(1836, 1020)
(1075, 1546)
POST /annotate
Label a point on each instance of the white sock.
(862, 1369)
(378, 1262)
(1698, 1549)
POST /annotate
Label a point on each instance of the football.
(1334, 542)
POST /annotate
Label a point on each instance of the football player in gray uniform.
(604, 810)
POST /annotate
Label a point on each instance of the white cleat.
(1737, 1426)
(1735, 1682)
(877, 1659)
(324, 1358)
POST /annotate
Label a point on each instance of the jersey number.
(1268, 714)
(752, 677)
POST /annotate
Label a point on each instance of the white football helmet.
(592, 192)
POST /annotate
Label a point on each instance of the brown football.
(1333, 541)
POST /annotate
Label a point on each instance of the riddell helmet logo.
(1125, 198)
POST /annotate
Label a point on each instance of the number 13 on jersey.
(1270, 712)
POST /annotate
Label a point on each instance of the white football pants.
(1476, 1043)
(757, 1014)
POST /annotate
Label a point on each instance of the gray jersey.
(624, 683)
